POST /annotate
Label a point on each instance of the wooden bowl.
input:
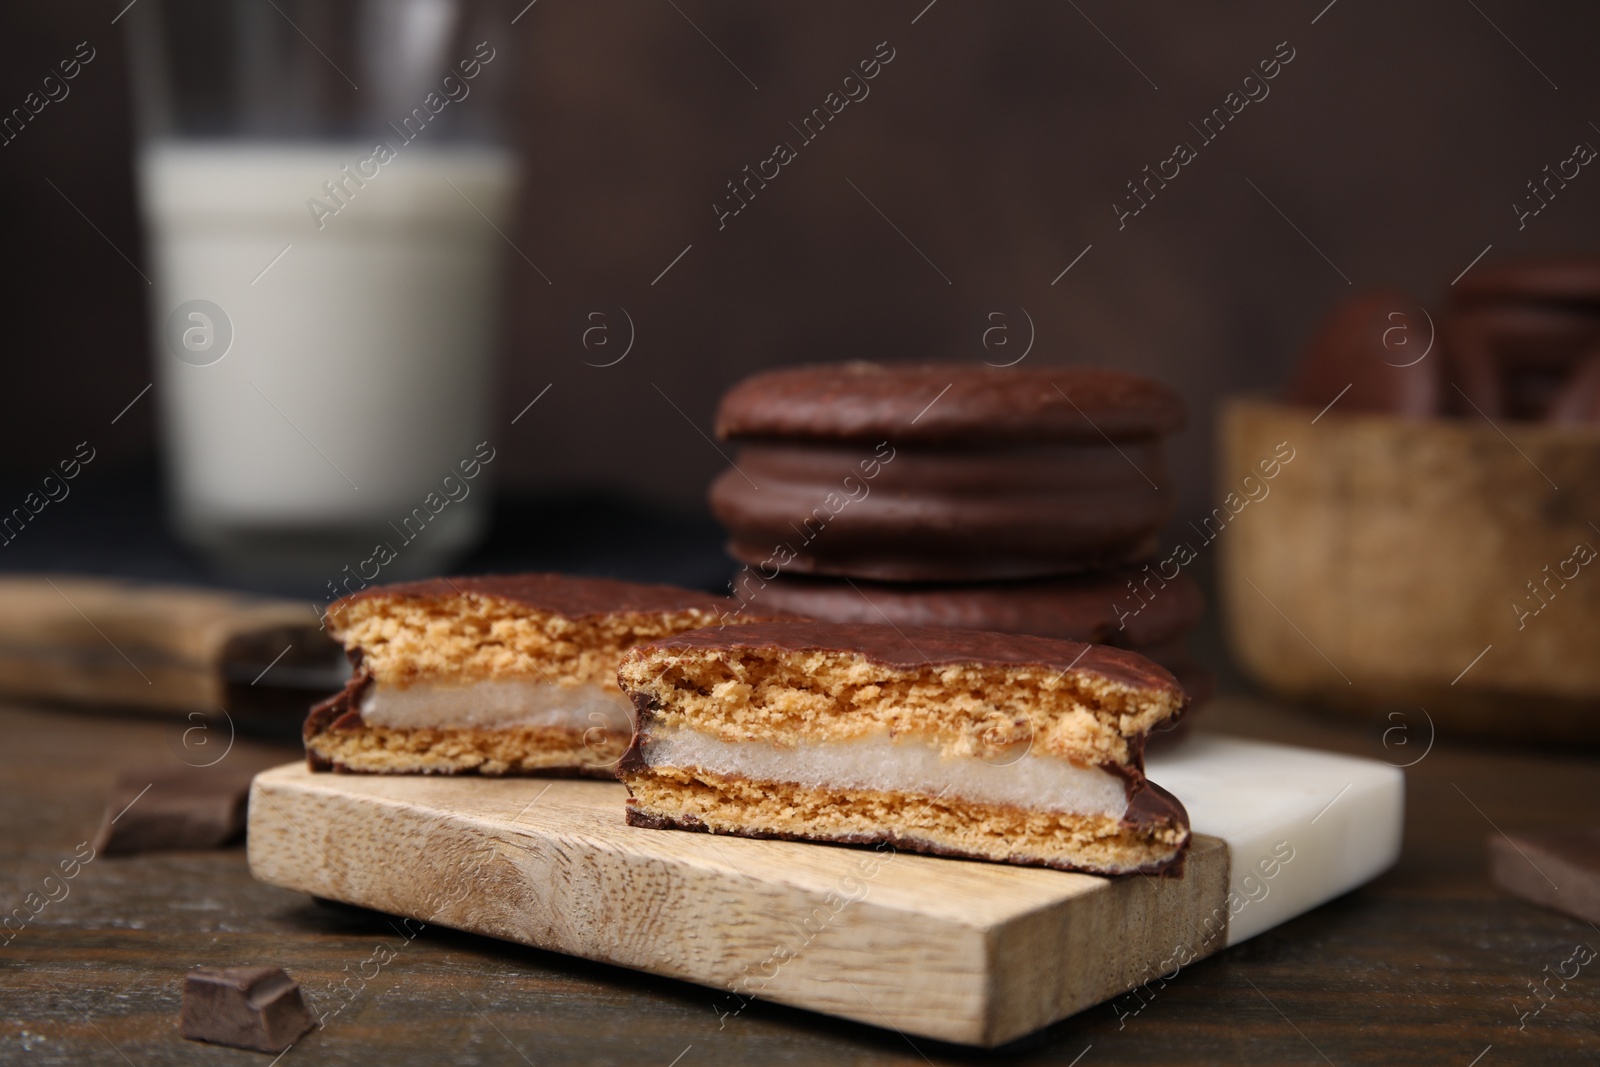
(1446, 564)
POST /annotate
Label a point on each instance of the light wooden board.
(975, 953)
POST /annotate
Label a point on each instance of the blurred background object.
(372, 166)
(1422, 561)
(173, 649)
(1420, 564)
(998, 141)
(1371, 354)
(1523, 340)
(991, 194)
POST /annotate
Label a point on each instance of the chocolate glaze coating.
(566, 595)
(976, 561)
(1533, 335)
(342, 711)
(1519, 334)
(911, 647)
(1151, 805)
(1076, 609)
(948, 404)
(919, 513)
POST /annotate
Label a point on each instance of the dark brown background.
(997, 139)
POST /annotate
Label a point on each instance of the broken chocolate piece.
(1558, 869)
(159, 808)
(257, 1008)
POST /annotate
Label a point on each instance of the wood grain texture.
(1391, 555)
(1419, 967)
(109, 642)
(965, 952)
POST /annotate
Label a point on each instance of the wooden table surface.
(1427, 965)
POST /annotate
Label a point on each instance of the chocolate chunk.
(1368, 355)
(1558, 869)
(948, 403)
(160, 808)
(257, 1008)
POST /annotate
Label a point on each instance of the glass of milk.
(324, 186)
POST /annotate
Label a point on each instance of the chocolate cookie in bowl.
(1519, 336)
(1371, 353)
(1433, 557)
(1516, 341)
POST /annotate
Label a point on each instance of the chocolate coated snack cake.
(1107, 608)
(944, 472)
(989, 746)
(492, 675)
(1102, 609)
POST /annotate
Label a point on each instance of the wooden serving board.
(968, 952)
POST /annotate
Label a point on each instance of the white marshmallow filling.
(1027, 780)
(498, 705)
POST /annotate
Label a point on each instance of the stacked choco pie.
(1017, 500)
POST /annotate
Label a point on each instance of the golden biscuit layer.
(679, 798)
(552, 642)
(968, 709)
